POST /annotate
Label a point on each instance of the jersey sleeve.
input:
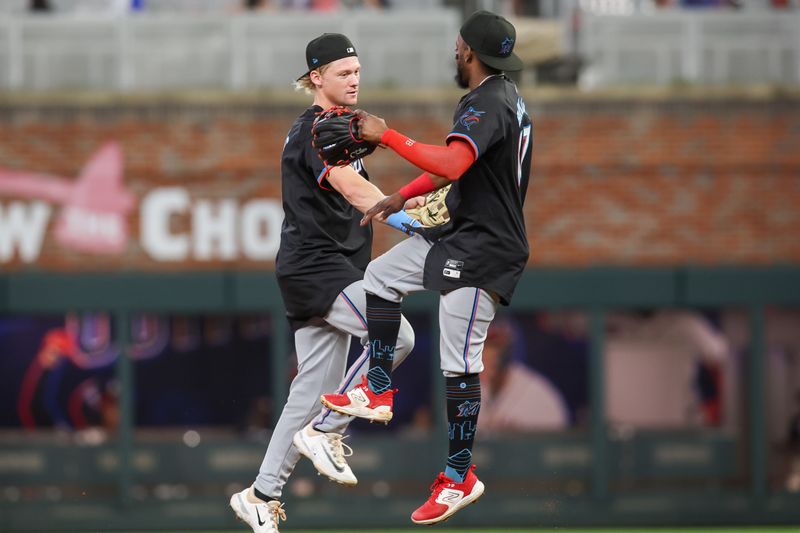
(478, 121)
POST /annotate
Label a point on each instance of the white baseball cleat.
(262, 516)
(327, 452)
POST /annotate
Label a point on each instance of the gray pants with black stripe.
(464, 314)
(321, 361)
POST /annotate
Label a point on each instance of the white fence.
(695, 47)
(154, 52)
(402, 48)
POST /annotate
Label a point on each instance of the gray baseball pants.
(464, 313)
(321, 361)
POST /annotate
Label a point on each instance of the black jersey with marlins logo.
(323, 248)
(487, 246)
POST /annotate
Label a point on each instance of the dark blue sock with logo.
(383, 324)
(463, 406)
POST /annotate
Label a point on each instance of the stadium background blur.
(647, 372)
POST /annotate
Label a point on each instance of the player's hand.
(417, 201)
(370, 127)
(384, 208)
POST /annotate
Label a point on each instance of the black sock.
(383, 324)
(463, 405)
(261, 496)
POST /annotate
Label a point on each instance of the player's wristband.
(422, 184)
(397, 221)
(392, 138)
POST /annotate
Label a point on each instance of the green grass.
(604, 530)
(720, 529)
(614, 530)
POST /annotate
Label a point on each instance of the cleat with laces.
(261, 516)
(448, 497)
(327, 452)
(362, 402)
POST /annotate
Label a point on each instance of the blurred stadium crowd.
(665, 369)
(537, 8)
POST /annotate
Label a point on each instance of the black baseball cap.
(492, 38)
(327, 48)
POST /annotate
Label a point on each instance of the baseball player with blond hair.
(323, 253)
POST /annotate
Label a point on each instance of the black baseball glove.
(335, 137)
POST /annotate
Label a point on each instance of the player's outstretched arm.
(450, 161)
(359, 192)
(422, 185)
(363, 194)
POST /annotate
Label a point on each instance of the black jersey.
(323, 248)
(486, 245)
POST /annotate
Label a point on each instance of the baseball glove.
(335, 137)
(434, 212)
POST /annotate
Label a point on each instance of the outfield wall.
(596, 475)
(622, 180)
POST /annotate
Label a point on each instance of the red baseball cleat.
(448, 497)
(362, 402)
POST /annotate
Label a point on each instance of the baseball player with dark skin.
(474, 261)
(324, 251)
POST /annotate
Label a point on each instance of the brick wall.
(638, 183)
(613, 182)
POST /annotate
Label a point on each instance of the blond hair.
(305, 84)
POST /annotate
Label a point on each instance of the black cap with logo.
(492, 38)
(327, 48)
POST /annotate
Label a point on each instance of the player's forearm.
(367, 196)
(439, 182)
(449, 161)
(422, 185)
(360, 193)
